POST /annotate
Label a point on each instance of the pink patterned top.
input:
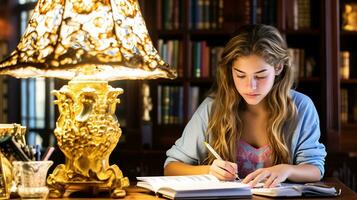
(250, 158)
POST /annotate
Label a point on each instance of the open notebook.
(293, 190)
(194, 187)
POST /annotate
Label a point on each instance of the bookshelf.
(347, 28)
(312, 32)
(202, 31)
(348, 74)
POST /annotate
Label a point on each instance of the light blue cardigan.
(305, 146)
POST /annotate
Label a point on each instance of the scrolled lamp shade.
(86, 39)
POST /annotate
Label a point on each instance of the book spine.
(303, 15)
(190, 59)
(213, 11)
(295, 15)
(220, 14)
(198, 59)
(180, 109)
(207, 22)
(199, 14)
(354, 105)
(345, 64)
(253, 13)
(344, 105)
(180, 59)
(159, 104)
(194, 14)
(165, 104)
(193, 100)
(176, 12)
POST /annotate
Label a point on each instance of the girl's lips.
(252, 95)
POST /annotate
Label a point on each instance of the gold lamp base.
(87, 131)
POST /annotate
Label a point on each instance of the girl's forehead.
(250, 62)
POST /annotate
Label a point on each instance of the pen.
(215, 154)
(38, 152)
(48, 153)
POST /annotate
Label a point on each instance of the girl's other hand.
(271, 176)
(223, 170)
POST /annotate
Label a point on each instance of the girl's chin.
(252, 102)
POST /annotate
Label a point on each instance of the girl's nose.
(253, 83)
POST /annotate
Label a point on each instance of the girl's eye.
(240, 76)
(260, 77)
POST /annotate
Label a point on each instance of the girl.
(259, 126)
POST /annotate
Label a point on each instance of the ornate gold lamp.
(89, 42)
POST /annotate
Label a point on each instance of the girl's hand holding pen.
(223, 170)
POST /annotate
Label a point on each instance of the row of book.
(348, 105)
(209, 14)
(205, 14)
(259, 12)
(172, 52)
(170, 104)
(304, 66)
(202, 14)
(196, 95)
(170, 108)
(170, 14)
(203, 59)
(298, 14)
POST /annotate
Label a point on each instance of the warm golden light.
(89, 42)
(64, 35)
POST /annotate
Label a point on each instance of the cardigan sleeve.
(306, 146)
(189, 148)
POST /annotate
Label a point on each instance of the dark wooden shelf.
(200, 80)
(217, 32)
(181, 80)
(348, 135)
(171, 126)
(303, 32)
(309, 80)
(348, 33)
(140, 151)
(171, 34)
(178, 80)
(349, 126)
(349, 81)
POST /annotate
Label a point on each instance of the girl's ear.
(278, 69)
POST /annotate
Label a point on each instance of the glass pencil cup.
(30, 177)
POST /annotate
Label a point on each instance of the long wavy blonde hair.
(225, 124)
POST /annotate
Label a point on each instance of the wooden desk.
(135, 193)
(138, 193)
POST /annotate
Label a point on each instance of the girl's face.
(253, 78)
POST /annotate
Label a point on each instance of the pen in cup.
(217, 156)
(48, 153)
(38, 152)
